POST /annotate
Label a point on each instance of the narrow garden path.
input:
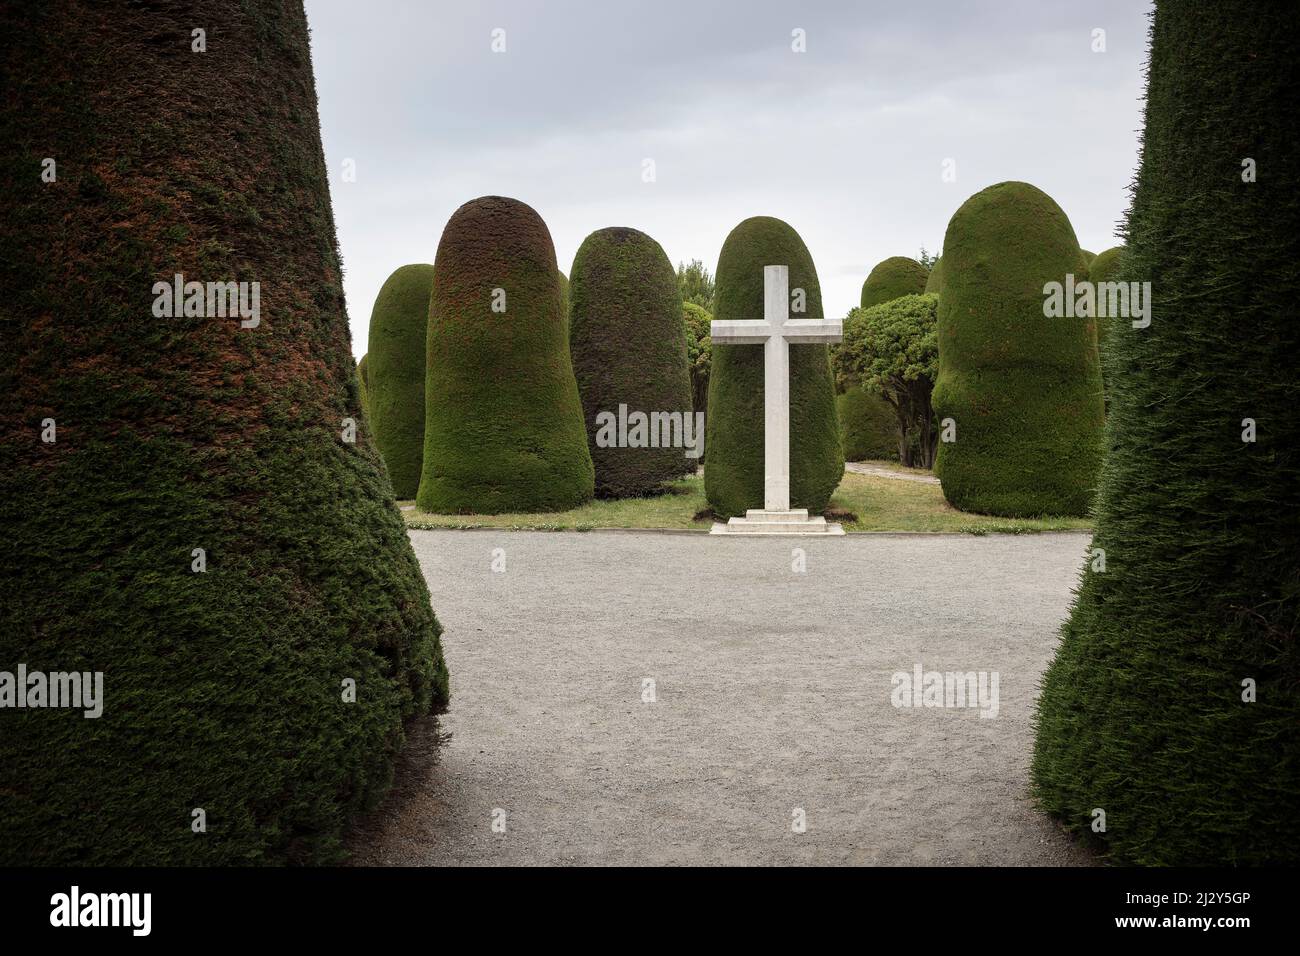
(771, 701)
(880, 471)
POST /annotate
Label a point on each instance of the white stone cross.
(775, 332)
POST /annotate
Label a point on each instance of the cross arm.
(741, 332)
(813, 331)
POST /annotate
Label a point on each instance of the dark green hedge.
(897, 275)
(503, 422)
(629, 348)
(395, 386)
(733, 474)
(868, 426)
(1024, 390)
(223, 690)
(1141, 713)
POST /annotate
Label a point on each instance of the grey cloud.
(844, 141)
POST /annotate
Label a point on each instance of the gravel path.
(866, 468)
(773, 695)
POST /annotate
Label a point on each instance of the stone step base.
(757, 521)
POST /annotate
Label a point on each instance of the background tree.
(868, 427)
(892, 350)
(629, 348)
(733, 473)
(1023, 391)
(696, 323)
(363, 384)
(895, 276)
(696, 284)
(1103, 268)
(503, 424)
(395, 373)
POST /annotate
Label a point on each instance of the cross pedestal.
(776, 332)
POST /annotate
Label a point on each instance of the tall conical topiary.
(895, 276)
(503, 423)
(629, 350)
(395, 386)
(1023, 391)
(1174, 698)
(192, 510)
(733, 472)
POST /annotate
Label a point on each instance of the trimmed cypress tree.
(1023, 390)
(1144, 712)
(395, 390)
(733, 473)
(897, 275)
(187, 512)
(629, 348)
(503, 423)
(934, 283)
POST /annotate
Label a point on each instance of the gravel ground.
(772, 696)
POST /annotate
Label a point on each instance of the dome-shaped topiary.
(206, 528)
(1104, 265)
(1105, 268)
(629, 349)
(897, 275)
(868, 425)
(1174, 698)
(395, 372)
(565, 305)
(503, 423)
(934, 281)
(733, 472)
(1023, 390)
(697, 322)
(363, 387)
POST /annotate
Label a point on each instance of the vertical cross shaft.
(776, 391)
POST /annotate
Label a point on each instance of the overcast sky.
(845, 141)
